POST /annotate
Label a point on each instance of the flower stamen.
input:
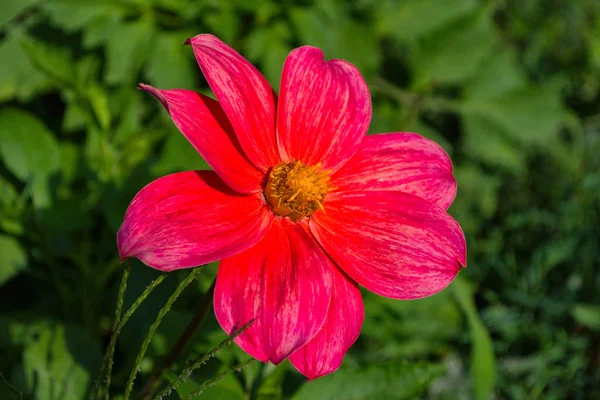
(295, 190)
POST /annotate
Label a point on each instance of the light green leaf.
(171, 64)
(18, 77)
(127, 49)
(12, 206)
(339, 37)
(528, 115)
(588, 315)
(73, 15)
(60, 362)
(55, 62)
(484, 141)
(483, 360)
(29, 151)
(455, 53)
(411, 19)
(269, 47)
(14, 259)
(395, 380)
(99, 101)
(11, 8)
(499, 74)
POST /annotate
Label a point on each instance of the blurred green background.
(511, 89)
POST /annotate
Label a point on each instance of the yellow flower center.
(296, 190)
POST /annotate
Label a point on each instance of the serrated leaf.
(14, 259)
(29, 151)
(394, 380)
(412, 19)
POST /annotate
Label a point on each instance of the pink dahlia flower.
(301, 208)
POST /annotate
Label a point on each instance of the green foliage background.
(511, 89)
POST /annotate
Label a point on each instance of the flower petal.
(324, 109)
(324, 353)
(404, 162)
(188, 219)
(395, 244)
(203, 122)
(283, 284)
(245, 95)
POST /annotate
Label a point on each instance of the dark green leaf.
(395, 380)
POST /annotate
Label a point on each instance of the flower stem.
(120, 323)
(161, 314)
(188, 371)
(213, 381)
(181, 344)
(108, 357)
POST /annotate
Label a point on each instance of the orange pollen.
(295, 190)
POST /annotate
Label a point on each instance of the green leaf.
(483, 360)
(269, 47)
(73, 15)
(18, 77)
(12, 206)
(127, 48)
(338, 36)
(171, 63)
(55, 62)
(500, 73)
(483, 140)
(455, 53)
(411, 19)
(29, 151)
(99, 101)
(9, 9)
(587, 315)
(178, 155)
(14, 259)
(531, 115)
(395, 380)
(60, 362)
